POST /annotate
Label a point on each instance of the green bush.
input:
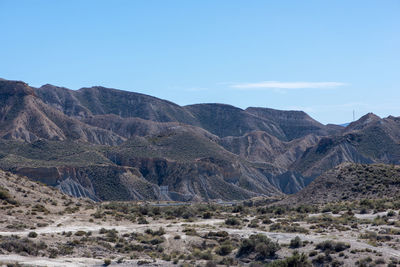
(107, 262)
(217, 234)
(225, 249)
(296, 242)
(207, 215)
(5, 195)
(159, 232)
(32, 234)
(142, 220)
(259, 244)
(16, 245)
(80, 233)
(232, 221)
(332, 246)
(296, 260)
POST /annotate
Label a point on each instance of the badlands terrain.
(99, 176)
(112, 145)
(40, 226)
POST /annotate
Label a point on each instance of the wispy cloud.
(286, 85)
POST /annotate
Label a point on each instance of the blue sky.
(327, 58)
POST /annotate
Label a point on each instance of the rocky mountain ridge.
(111, 144)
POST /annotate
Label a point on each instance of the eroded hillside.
(108, 144)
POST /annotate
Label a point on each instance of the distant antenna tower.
(354, 115)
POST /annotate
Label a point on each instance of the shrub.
(313, 253)
(225, 249)
(260, 244)
(296, 260)
(267, 221)
(237, 209)
(32, 234)
(5, 195)
(143, 262)
(391, 213)
(204, 255)
(211, 264)
(159, 232)
(331, 246)
(232, 221)
(16, 245)
(107, 262)
(142, 220)
(253, 224)
(53, 253)
(190, 231)
(80, 233)
(296, 242)
(207, 215)
(217, 234)
(380, 261)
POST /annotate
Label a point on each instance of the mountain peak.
(15, 88)
(363, 121)
(48, 85)
(370, 116)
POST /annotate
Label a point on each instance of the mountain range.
(108, 144)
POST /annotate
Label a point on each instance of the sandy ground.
(73, 224)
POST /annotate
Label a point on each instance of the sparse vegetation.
(259, 244)
(215, 238)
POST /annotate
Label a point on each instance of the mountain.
(260, 146)
(100, 101)
(24, 116)
(192, 166)
(219, 119)
(226, 120)
(108, 144)
(294, 124)
(368, 140)
(350, 181)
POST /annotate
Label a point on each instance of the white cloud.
(286, 85)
